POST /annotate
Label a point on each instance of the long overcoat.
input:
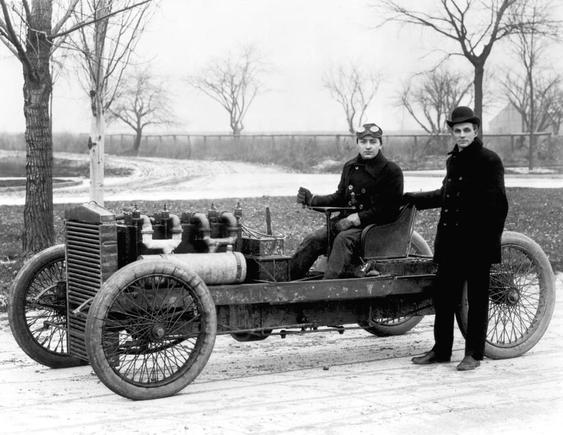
(374, 187)
(473, 206)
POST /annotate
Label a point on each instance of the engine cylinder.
(214, 268)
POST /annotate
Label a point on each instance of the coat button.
(449, 180)
(361, 206)
(356, 168)
(447, 195)
(445, 224)
(460, 178)
(363, 190)
(350, 203)
(445, 210)
(350, 187)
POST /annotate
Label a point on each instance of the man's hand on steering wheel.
(304, 196)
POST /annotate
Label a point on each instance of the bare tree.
(32, 33)
(546, 99)
(555, 110)
(474, 25)
(354, 90)
(529, 92)
(142, 102)
(430, 97)
(105, 52)
(233, 83)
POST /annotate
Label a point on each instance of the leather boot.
(430, 357)
(468, 363)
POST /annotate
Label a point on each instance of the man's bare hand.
(348, 222)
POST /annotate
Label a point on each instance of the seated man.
(372, 185)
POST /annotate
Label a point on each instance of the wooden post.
(268, 222)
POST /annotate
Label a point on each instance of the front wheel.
(150, 329)
(385, 327)
(37, 309)
(521, 298)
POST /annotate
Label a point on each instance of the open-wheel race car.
(142, 298)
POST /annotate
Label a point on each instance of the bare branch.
(69, 11)
(27, 11)
(11, 36)
(93, 21)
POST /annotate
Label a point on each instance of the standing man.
(473, 210)
(372, 185)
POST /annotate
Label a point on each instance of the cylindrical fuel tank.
(214, 268)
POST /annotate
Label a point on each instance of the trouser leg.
(313, 245)
(344, 247)
(478, 314)
(448, 288)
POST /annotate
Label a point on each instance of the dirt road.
(322, 383)
(173, 179)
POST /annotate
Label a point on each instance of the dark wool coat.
(473, 206)
(373, 186)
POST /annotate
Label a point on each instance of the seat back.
(390, 240)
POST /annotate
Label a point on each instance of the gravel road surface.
(322, 383)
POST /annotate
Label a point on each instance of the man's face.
(464, 133)
(369, 147)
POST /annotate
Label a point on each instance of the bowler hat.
(463, 114)
(370, 129)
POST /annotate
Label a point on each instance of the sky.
(298, 40)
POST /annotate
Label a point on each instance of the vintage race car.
(142, 298)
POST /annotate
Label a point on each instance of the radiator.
(91, 258)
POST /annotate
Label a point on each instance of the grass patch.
(534, 212)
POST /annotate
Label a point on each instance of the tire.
(252, 336)
(151, 329)
(385, 327)
(37, 309)
(521, 298)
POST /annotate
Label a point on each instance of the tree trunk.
(97, 152)
(137, 142)
(97, 130)
(532, 123)
(478, 86)
(38, 232)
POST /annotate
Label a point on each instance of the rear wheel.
(37, 309)
(151, 329)
(388, 326)
(521, 298)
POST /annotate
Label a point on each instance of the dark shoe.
(430, 357)
(468, 363)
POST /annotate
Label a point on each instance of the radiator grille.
(84, 274)
(91, 257)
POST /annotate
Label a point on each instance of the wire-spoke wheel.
(521, 298)
(37, 309)
(388, 326)
(151, 329)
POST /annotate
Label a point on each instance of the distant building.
(507, 121)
